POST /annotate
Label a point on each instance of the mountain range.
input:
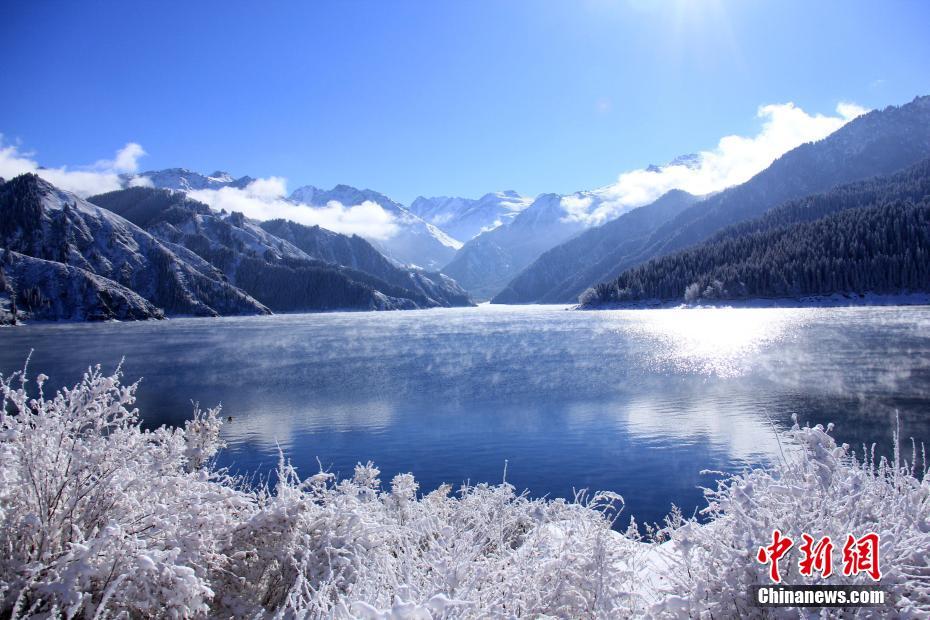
(415, 241)
(42, 222)
(877, 143)
(182, 179)
(151, 249)
(574, 258)
(488, 264)
(145, 253)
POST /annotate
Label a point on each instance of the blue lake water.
(637, 401)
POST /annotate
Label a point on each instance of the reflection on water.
(634, 401)
(721, 342)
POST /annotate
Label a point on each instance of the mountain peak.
(688, 160)
(187, 180)
(221, 176)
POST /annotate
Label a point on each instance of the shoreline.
(836, 300)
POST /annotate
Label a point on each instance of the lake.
(633, 401)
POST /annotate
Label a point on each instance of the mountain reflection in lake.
(635, 401)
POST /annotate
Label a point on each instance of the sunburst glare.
(715, 341)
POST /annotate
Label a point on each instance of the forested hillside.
(867, 237)
(878, 143)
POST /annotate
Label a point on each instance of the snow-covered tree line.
(102, 519)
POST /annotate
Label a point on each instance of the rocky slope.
(40, 221)
(357, 254)
(36, 289)
(557, 269)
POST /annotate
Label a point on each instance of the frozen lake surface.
(634, 401)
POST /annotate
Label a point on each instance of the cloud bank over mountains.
(265, 199)
(733, 160)
(102, 176)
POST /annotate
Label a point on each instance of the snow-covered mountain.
(489, 261)
(274, 270)
(186, 180)
(689, 160)
(416, 241)
(142, 252)
(427, 288)
(41, 221)
(37, 289)
(565, 261)
(465, 218)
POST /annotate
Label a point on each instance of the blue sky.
(437, 97)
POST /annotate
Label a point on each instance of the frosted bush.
(98, 514)
(822, 489)
(101, 518)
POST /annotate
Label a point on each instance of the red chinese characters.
(779, 547)
(817, 557)
(861, 556)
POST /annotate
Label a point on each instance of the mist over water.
(637, 401)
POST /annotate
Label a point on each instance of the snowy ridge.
(465, 218)
(286, 266)
(182, 179)
(488, 262)
(44, 222)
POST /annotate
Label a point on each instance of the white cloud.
(140, 181)
(264, 199)
(267, 189)
(103, 176)
(734, 160)
(577, 205)
(126, 160)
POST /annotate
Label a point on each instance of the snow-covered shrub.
(101, 518)
(98, 514)
(692, 292)
(821, 489)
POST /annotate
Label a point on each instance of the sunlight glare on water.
(713, 341)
